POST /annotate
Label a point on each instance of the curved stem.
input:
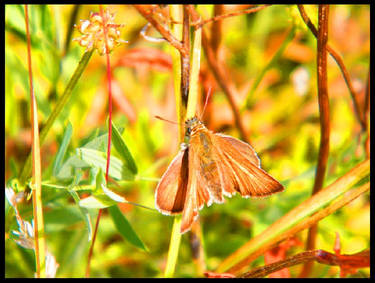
(324, 122)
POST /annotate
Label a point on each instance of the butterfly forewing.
(244, 148)
(248, 178)
(171, 191)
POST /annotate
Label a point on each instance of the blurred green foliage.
(282, 122)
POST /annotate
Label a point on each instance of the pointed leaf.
(62, 150)
(98, 201)
(123, 150)
(117, 168)
(124, 227)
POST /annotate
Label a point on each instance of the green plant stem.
(176, 16)
(173, 247)
(194, 76)
(26, 171)
(294, 217)
(39, 239)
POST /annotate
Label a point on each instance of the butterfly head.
(191, 125)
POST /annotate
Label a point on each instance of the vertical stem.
(185, 58)
(197, 248)
(194, 75)
(324, 121)
(188, 99)
(340, 62)
(222, 77)
(173, 247)
(216, 29)
(40, 245)
(109, 80)
(176, 16)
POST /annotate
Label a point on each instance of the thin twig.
(263, 271)
(221, 76)
(232, 14)
(340, 62)
(324, 122)
(357, 260)
(147, 14)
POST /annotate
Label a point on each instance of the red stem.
(109, 80)
(324, 122)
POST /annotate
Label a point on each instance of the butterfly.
(208, 167)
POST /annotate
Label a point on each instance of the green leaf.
(62, 150)
(63, 216)
(97, 201)
(117, 169)
(67, 169)
(84, 212)
(113, 195)
(123, 150)
(124, 227)
(99, 143)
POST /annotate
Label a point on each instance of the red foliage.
(279, 253)
(348, 263)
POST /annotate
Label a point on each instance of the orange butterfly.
(208, 167)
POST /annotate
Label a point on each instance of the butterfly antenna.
(206, 102)
(163, 119)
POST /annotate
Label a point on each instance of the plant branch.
(232, 14)
(216, 29)
(147, 14)
(180, 85)
(324, 122)
(222, 77)
(342, 67)
(344, 261)
(39, 238)
(109, 81)
(299, 218)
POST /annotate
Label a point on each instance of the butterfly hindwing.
(170, 193)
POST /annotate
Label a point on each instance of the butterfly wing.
(193, 199)
(207, 169)
(240, 168)
(170, 192)
(244, 148)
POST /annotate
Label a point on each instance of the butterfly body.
(208, 167)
